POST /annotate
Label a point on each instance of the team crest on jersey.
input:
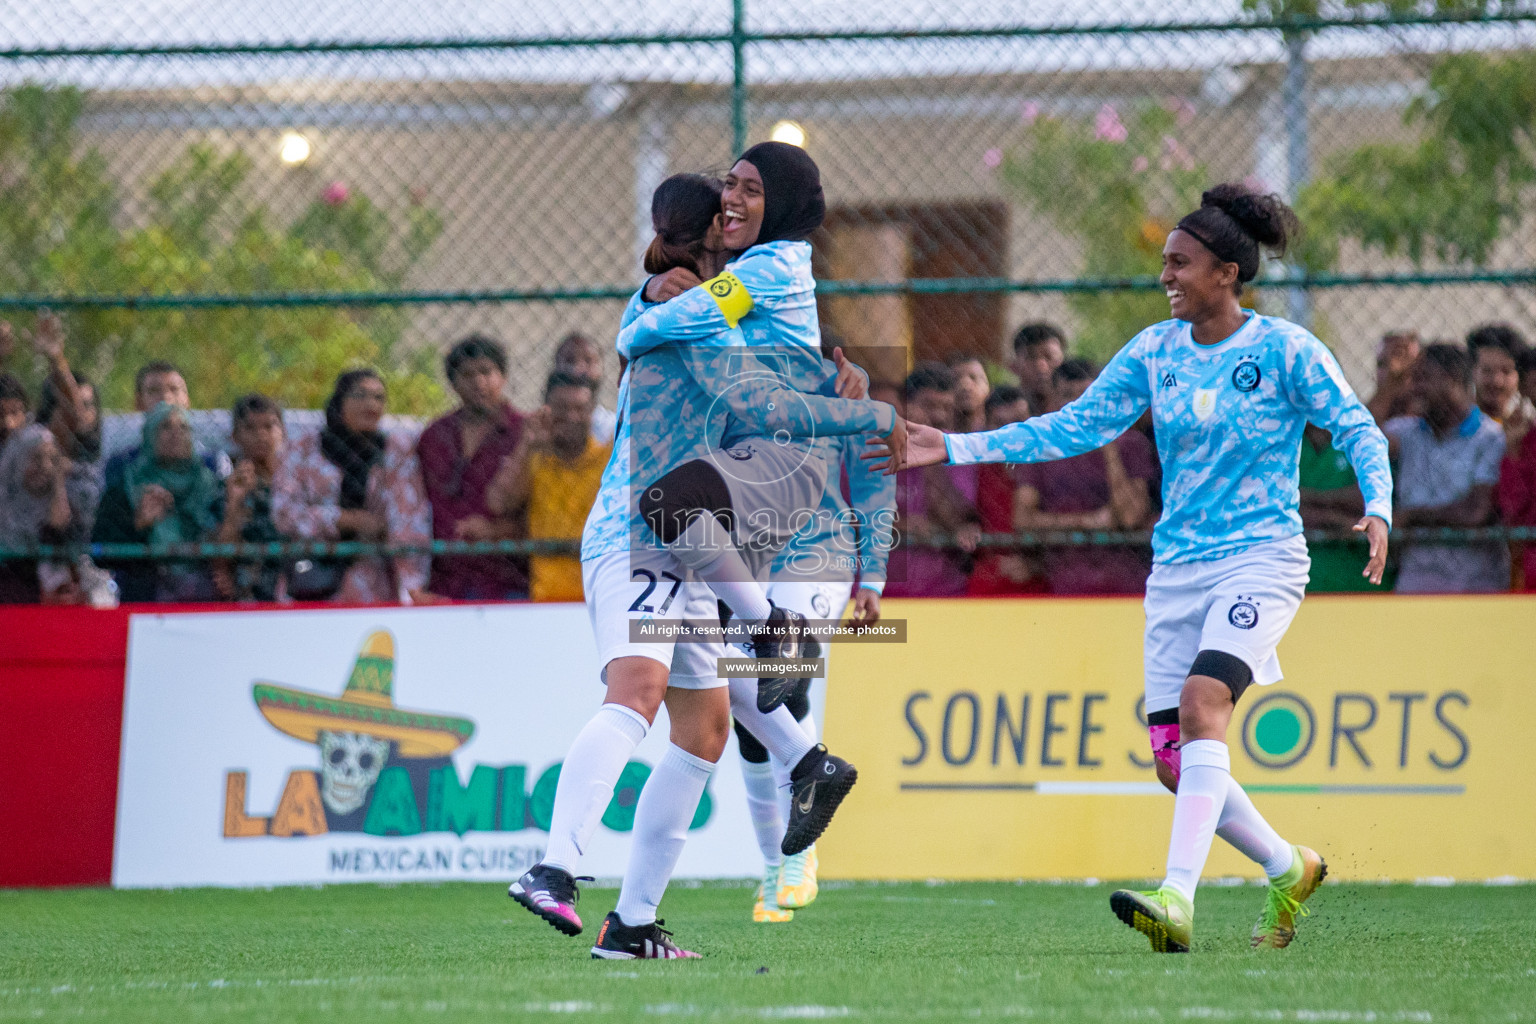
(1247, 376)
(1204, 403)
(1243, 615)
(741, 453)
(821, 606)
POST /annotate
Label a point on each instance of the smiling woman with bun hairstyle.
(1230, 391)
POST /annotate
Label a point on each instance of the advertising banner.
(1006, 739)
(269, 748)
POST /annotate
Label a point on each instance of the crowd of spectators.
(1458, 419)
(483, 472)
(1457, 416)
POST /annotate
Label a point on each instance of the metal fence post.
(738, 76)
(1298, 156)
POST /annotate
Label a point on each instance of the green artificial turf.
(881, 952)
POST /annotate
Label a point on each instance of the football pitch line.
(1107, 788)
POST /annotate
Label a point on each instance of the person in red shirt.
(1001, 571)
(1516, 498)
(460, 454)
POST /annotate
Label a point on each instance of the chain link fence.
(268, 194)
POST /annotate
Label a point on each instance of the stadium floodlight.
(790, 132)
(294, 149)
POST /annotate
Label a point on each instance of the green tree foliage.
(63, 232)
(1456, 191)
(1118, 188)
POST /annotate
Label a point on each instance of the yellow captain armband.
(730, 295)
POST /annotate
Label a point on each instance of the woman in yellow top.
(553, 476)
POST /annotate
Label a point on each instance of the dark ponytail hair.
(1235, 223)
(682, 209)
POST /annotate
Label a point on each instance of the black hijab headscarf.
(353, 452)
(793, 204)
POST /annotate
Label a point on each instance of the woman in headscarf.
(165, 496)
(34, 507)
(668, 396)
(355, 481)
(771, 204)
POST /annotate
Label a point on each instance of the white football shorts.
(1241, 605)
(647, 585)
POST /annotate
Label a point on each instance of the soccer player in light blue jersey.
(1230, 391)
(670, 396)
(725, 517)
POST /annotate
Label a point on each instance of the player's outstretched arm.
(924, 447)
(1318, 390)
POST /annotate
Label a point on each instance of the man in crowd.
(157, 382)
(1107, 489)
(1038, 348)
(1496, 351)
(579, 356)
(934, 501)
(553, 478)
(1447, 466)
(1006, 404)
(244, 510)
(460, 454)
(1395, 356)
(971, 390)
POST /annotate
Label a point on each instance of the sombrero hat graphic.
(367, 705)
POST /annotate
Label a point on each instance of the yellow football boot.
(797, 880)
(766, 910)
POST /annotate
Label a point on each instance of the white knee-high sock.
(666, 809)
(809, 727)
(777, 730)
(1244, 827)
(592, 767)
(708, 549)
(763, 804)
(781, 769)
(781, 784)
(1204, 774)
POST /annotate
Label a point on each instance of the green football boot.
(1276, 926)
(1163, 915)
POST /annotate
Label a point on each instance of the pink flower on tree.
(1175, 155)
(336, 194)
(1107, 126)
(1181, 108)
(1029, 112)
(1139, 164)
(992, 158)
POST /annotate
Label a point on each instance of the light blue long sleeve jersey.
(682, 396)
(1228, 419)
(847, 537)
